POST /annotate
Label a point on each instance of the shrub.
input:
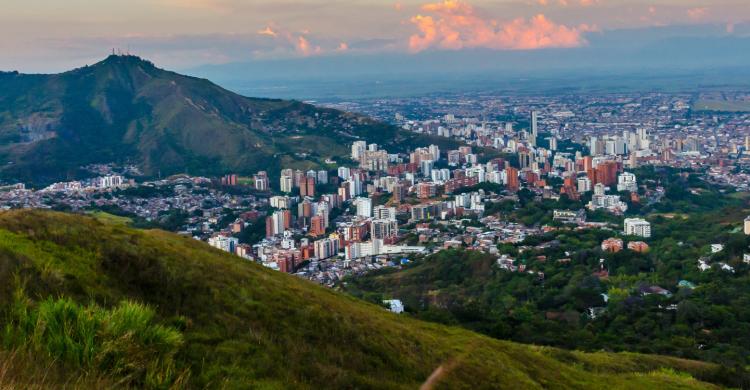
(124, 342)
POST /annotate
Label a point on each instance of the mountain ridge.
(126, 110)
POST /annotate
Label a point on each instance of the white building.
(110, 181)
(326, 248)
(611, 203)
(584, 184)
(225, 243)
(394, 306)
(281, 202)
(286, 183)
(637, 227)
(364, 207)
(344, 173)
(358, 149)
(381, 229)
(627, 182)
(383, 212)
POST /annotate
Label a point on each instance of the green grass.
(123, 342)
(243, 326)
(107, 217)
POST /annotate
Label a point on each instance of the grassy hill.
(98, 303)
(126, 110)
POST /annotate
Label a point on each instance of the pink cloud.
(565, 3)
(455, 24)
(268, 31)
(697, 13)
(298, 41)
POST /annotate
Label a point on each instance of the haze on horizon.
(51, 36)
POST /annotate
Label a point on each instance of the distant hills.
(90, 303)
(126, 110)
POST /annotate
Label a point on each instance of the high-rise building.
(426, 167)
(317, 226)
(627, 182)
(399, 193)
(358, 149)
(344, 193)
(552, 143)
(364, 207)
(584, 184)
(374, 160)
(382, 229)
(280, 202)
(223, 242)
(307, 187)
(596, 146)
(286, 183)
(229, 180)
(435, 152)
(261, 181)
(426, 190)
(637, 227)
(454, 157)
(599, 189)
(322, 177)
(525, 157)
(607, 172)
(305, 209)
(384, 212)
(513, 183)
(344, 173)
(298, 175)
(278, 222)
(534, 129)
(326, 248)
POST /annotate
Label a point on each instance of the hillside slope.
(244, 326)
(126, 110)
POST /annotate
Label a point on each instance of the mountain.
(126, 110)
(94, 303)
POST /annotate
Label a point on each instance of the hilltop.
(126, 110)
(109, 304)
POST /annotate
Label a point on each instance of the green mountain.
(126, 110)
(92, 303)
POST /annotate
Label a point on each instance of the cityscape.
(418, 194)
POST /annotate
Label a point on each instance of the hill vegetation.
(125, 110)
(98, 304)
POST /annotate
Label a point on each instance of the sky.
(52, 35)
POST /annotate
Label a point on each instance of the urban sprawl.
(383, 208)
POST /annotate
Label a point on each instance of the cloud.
(297, 41)
(305, 48)
(455, 24)
(697, 13)
(343, 46)
(565, 3)
(268, 31)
